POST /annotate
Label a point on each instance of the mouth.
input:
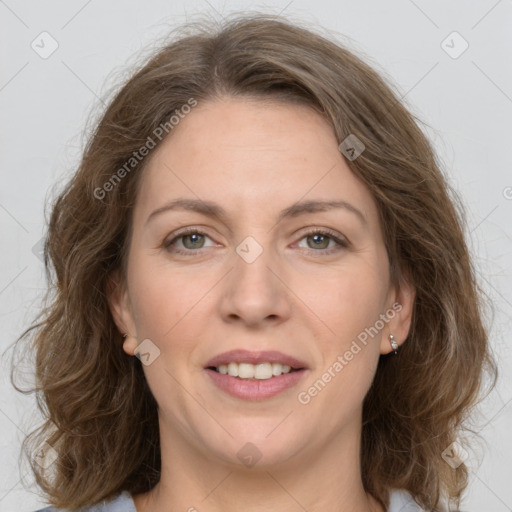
(260, 365)
(256, 376)
(248, 371)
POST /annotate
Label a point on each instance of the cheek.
(348, 299)
(171, 306)
(159, 298)
(350, 349)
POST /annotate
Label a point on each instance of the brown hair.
(102, 419)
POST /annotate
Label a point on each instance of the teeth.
(260, 371)
(277, 369)
(245, 371)
(233, 369)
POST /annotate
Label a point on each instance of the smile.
(262, 371)
(254, 388)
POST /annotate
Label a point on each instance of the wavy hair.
(101, 419)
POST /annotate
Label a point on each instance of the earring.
(124, 335)
(394, 344)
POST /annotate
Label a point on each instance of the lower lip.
(257, 389)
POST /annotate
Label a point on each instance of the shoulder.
(402, 501)
(123, 502)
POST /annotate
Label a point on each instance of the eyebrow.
(212, 209)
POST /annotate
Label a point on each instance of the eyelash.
(342, 244)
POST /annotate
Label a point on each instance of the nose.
(255, 291)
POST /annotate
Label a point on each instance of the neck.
(322, 477)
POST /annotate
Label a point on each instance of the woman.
(263, 295)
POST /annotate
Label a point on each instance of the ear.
(401, 302)
(121, 310)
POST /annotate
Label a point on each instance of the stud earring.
(394, 344)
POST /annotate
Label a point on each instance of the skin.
(256, 158)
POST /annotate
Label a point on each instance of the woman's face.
(258, 273)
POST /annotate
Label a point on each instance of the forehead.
(243, 152)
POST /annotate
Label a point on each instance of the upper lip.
(255, 357)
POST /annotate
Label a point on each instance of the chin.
(256, 451)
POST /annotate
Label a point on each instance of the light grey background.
(467, 100)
